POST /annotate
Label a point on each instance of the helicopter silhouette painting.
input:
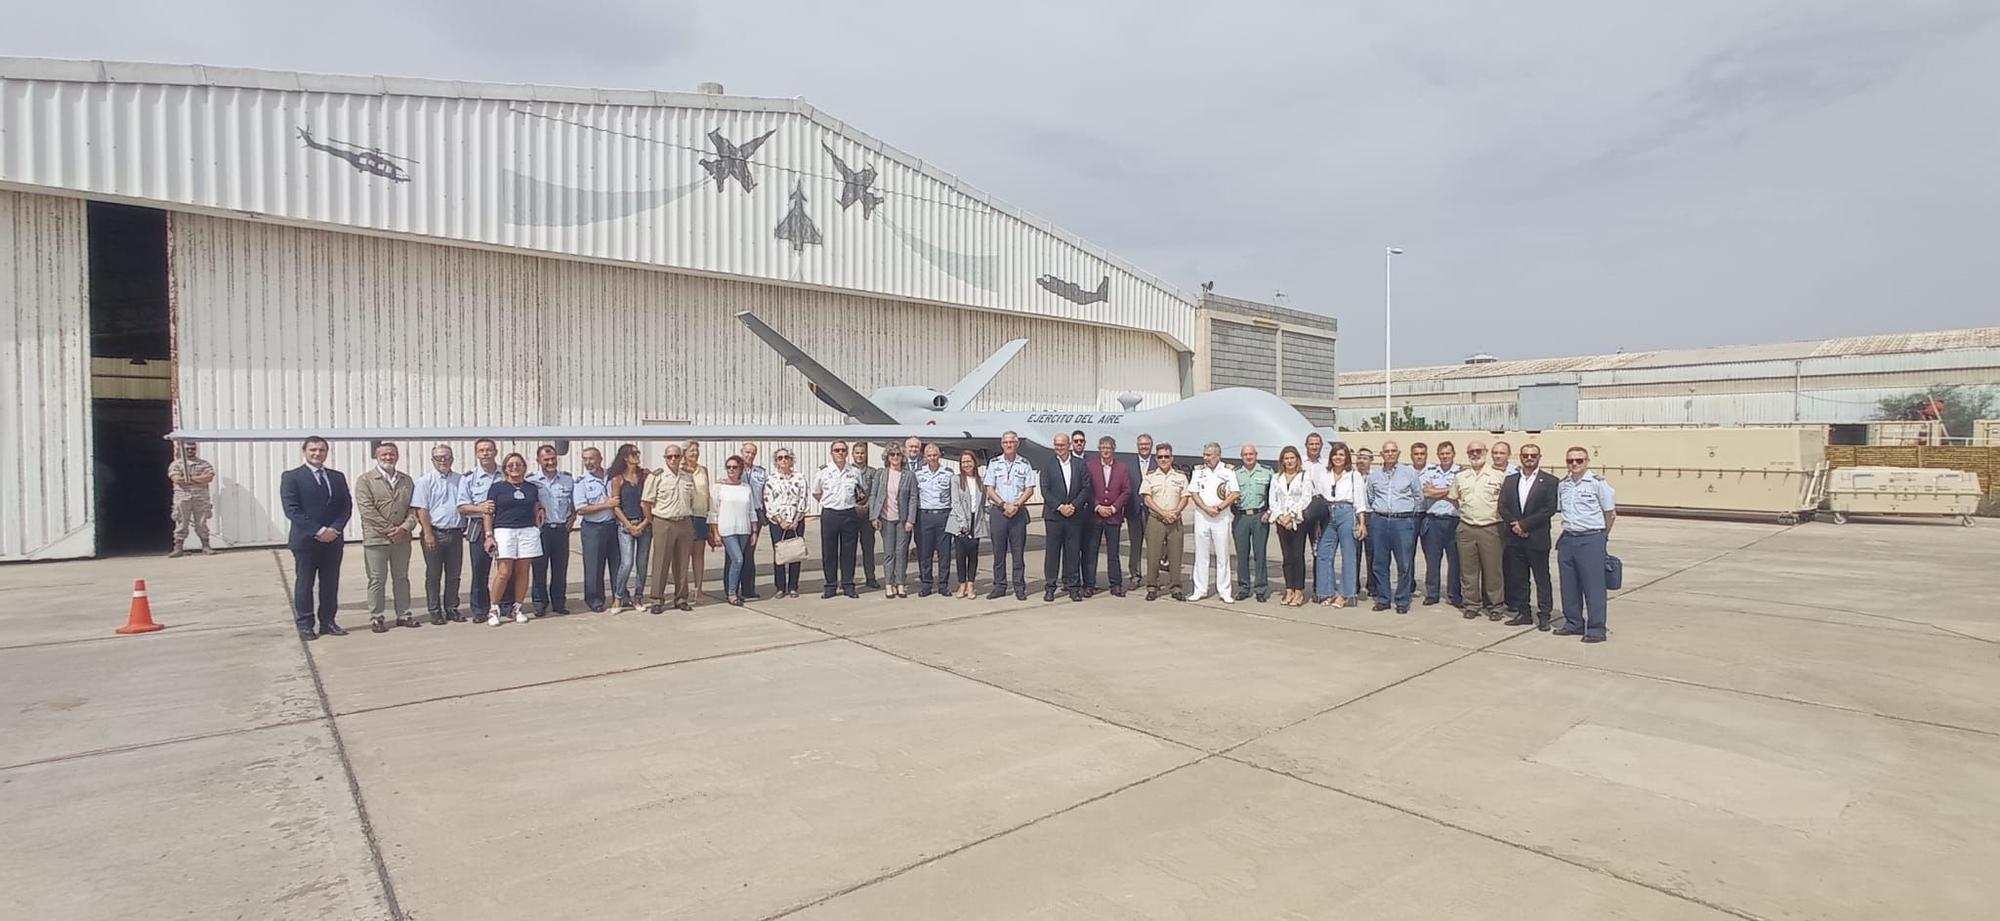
(364, 159)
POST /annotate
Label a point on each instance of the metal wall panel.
(603, 175)
(1545, 406)
(290, 327)
(46, 474)
(1241, 355)
(1308, 367)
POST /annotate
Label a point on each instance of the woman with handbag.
(1346, 526)
(967, 520)
(1291, 493)
(785, 509)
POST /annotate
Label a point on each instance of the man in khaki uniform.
(668, 499)
(382, 500)
(1476, 491)
(191, 477)
(1166, 495)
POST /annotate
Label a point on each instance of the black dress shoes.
(1496, 614)
(1402, 609)
(1564, 630)
(306, 633)
(331, 630)
(1379, 606)
(1263, 597)
(1021, 594)
(1542, 622)
(996, 594)
(1469, 613)
(1593, 639)
(1049, 595)
(1520, 620)
(1076, 594)
(1152, 594)
(1118, 591)
(851, 593)
(1430, 601)
(829, 592)
(437, 619)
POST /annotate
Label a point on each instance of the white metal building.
(225, 248)
(1830, 381)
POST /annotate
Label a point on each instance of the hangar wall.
(283, 327)
(45, 463)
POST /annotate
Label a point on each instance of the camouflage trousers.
(191, 512)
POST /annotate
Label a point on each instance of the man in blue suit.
(317, 502)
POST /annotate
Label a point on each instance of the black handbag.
(1318, 511)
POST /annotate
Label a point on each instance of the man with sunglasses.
(668, 500)
(1166, 495)
(1010, 483)
(837, 488)
(1476, 492)
(1527, 503)
(1589, 509)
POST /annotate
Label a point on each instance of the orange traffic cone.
(141, 620)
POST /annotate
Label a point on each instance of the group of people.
(1484, 528)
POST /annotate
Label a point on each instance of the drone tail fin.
(967, 389)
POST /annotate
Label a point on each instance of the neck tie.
(320, 476)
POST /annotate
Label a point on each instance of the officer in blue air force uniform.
(1589, 508)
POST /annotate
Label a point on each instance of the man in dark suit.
(1111, 491)
(1066, 498)
(317, 502)
(1527, 502)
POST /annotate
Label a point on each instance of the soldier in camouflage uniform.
(191, 477)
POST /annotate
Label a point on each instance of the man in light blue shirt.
(442, 527)
(1010, 483)
(594, 502)
(551, 585)
(471, 504)
(933, 490)
(1394, 497)
(1589, 508)
(1437, 526)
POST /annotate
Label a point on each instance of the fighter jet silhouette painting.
(855, 185)
(731, 160)
(1073, 292)
(797, 228)
(365, 159)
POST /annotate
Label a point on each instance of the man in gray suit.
(1135, 568)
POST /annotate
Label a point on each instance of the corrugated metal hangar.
(1828, 381)
(227, 249)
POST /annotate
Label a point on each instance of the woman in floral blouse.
(785, 508)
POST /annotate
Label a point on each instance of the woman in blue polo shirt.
(513, 534)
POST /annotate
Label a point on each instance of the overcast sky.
(1567, 177)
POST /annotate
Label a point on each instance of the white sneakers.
(520, 616)
(1228, 600)
(493, 616)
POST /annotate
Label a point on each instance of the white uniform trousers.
(1212, 538)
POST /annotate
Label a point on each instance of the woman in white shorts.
(513, 534)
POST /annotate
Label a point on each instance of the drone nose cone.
(1130, 401)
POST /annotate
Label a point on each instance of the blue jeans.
(734, 548)
(1337, 537)
(1439, 535)
(1395, 542)
(634, 555)
(1580, 570)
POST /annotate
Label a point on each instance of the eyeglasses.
(1579, 460)
(840, 450)
(1526, 456)
(1475, 452)
(673, 457)
(732, 466)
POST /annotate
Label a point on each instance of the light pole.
(1388, 329)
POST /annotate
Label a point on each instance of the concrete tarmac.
(1798, 723)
